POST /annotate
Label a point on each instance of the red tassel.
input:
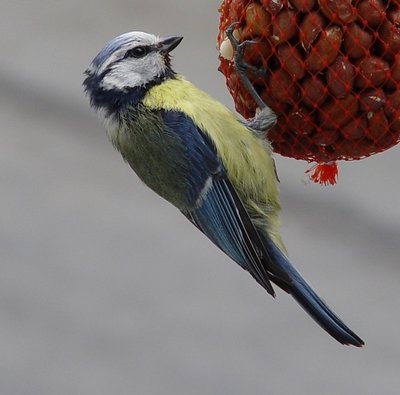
(323, 173)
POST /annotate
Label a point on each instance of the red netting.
(332, 73)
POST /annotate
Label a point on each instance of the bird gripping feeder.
(330, 69)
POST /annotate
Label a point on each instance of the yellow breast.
(246, 158)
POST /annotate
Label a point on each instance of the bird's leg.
(242, 66)
(265, 118)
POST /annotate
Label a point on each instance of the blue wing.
(216, 208)
(221, 220)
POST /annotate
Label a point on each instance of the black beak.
(167, 44)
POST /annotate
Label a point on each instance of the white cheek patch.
(131, 72)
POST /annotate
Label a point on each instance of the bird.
(191, 150)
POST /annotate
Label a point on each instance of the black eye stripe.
(139, 51)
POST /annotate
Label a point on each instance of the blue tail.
(310, 301)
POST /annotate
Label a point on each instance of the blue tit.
(192, 151)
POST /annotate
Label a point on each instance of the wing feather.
(215, 207)
(219, 219)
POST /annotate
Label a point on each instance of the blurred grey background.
(106, 289)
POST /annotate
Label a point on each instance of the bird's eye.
(137, 52)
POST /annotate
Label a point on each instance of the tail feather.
(323, 315)
(311, 302)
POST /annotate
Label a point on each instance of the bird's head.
(127, 64)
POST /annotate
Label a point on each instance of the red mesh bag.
(331, 74)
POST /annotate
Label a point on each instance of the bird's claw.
(263, 120)
(238, 47)
(229, 32)
(242, 66)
